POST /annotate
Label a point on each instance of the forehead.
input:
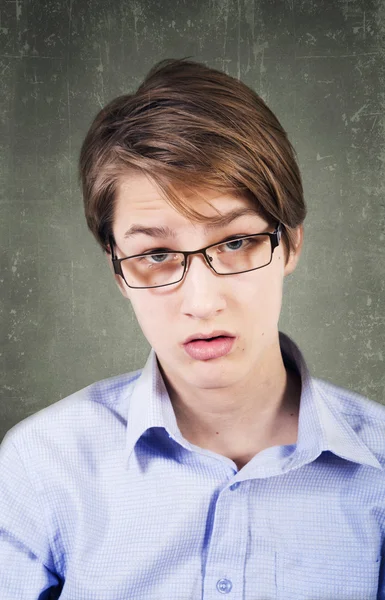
(139, 200)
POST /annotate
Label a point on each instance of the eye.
(238, 237)
(158, 255)
(157, 258)
(234, 245)
(241, 242)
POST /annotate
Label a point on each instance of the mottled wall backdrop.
(318, 64)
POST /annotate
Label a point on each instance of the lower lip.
(201, 350)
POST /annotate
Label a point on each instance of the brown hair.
(189, 126)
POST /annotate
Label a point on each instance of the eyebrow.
(163, 232)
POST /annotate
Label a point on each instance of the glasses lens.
(153, 269)
(233, 256)
(237, 256)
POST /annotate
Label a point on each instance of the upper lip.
(205, 336)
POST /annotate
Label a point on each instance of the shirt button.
(224, 586)
(235, 486)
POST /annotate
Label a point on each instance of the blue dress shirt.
(101, 498)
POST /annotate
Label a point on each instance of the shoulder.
(88, 413)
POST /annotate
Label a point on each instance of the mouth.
(209, 347)
(208, 337)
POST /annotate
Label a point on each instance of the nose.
(201, 289)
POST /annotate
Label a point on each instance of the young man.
(222, 468)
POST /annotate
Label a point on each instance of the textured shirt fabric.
(101, 498)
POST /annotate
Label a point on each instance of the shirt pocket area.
(304, 577)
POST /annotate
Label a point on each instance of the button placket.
(226, 555)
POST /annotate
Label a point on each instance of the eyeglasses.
(238, 254)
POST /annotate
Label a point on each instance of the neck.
(261, 411)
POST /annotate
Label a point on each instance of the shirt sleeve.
(26, 564)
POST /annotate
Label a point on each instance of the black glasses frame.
(275, 238)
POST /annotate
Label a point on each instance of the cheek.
(151, 314)
(262, 298)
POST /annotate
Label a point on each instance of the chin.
(218, 371)
(214, 383)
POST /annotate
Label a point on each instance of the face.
(246, 305)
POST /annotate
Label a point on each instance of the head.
(190, 145)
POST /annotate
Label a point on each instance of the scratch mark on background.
(18, 9)
(68, 91)
(337, 55)
(100, 69)
(239, 41)
(72, 290)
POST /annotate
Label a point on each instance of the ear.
(118, 279)
(293, 257)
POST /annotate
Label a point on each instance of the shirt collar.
(320, 427)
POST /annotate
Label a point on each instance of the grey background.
(318, 64)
